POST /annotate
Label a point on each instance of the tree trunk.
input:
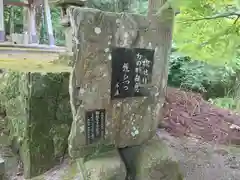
(164, 25)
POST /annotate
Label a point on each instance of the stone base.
(150, 161)
(107, 166)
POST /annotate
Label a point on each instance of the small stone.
(126, 35)
(97, 30)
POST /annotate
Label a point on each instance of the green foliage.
(18, 18)
(204, 31)
(200, 77)
(226, 103)
(9, 88)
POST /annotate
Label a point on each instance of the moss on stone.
(39, 116)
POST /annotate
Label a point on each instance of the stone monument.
(116, 93)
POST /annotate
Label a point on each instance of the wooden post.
(2, 29)
(164, 26)
(32, 24)
(26, 36)
(49, 23)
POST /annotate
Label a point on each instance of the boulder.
(105, 166)
(152, 160)
(40, 117)
(104, 42)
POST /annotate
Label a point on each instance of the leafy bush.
(227, 103)
(198, 76)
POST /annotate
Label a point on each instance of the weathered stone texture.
(129, 121)
(2, 169)
(106, 166)
(152, 160)
(39, 118)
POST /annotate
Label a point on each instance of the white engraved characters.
(142, 71)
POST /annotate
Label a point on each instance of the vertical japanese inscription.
(131, 68)
(95, 125)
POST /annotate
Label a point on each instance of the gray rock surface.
(204, 161)
(129, 121)
(2, 168)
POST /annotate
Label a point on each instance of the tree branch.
(217, 16)
(236, 20)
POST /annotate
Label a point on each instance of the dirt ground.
(204, 161)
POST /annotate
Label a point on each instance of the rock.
(106, 166)
(129, 120)
(39, 119)
(152, 161)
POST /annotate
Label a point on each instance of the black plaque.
(95, 125)
(131, 68)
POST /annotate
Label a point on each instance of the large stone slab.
(39, 116)
(105, 166)
(152, 161)
(100, 38)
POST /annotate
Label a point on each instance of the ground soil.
(188, 114)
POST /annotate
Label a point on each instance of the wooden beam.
(26, 36)
(2, 28)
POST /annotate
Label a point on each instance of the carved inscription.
(131, 69)
(95, 125)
